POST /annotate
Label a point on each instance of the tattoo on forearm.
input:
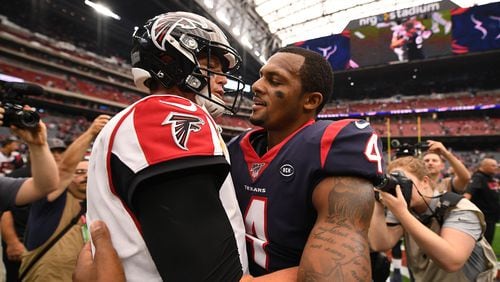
(342, 239)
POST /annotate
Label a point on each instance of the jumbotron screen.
(416, 33)
(403, 39)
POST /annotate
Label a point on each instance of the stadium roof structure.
(262, 25)
(265, 24)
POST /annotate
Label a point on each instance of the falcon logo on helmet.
(163, 27)
(182, 125)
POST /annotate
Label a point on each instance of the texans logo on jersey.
(182, 126)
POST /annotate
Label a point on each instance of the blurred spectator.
(10, 158)
(13, 225)
(13, 222)
(434, 162)
(407, 39)
(57, 148)
(484, 191)
(54, 235)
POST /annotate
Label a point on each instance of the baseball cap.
(56, 143)
(9, 140)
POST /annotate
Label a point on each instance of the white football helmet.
(166, 49)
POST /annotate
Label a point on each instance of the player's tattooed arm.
(337, 248)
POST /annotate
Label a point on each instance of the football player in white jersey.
(158, 173)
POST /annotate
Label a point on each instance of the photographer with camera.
(434, 161)
(13, 100)
(20, 191)
(443, 232)
(26, 124)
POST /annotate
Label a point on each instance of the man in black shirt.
(484, 191)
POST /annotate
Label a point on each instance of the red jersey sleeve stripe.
(329, 136)
(108, 167)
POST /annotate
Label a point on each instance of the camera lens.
(29, 119)
(388, 184)
(395, 143)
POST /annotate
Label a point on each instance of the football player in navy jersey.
(305, 187)
(159, 171)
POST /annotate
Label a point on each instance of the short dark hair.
(316, 73)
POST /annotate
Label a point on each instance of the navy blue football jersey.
(274, 190)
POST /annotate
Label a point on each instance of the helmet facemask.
(168, 48)
(200, 83)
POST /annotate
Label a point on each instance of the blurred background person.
(484, 191)
(55, 230)
(14, 221)
(10, 158)
(408, 38)
(435, 164)
(398, 41)
(57, 148)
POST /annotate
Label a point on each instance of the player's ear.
(312, 100)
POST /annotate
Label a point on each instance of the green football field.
(496, 242)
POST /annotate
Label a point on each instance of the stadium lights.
(236, 31)
(8, 78)
(246, 42)
(223, 17)
(103, 10)
(359, 35)
(209, 3)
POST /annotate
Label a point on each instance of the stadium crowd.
(398, 102)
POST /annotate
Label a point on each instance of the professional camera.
(391, 180)
(12, 99)
(405, 149)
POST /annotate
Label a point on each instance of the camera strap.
(49, 245)
(446, 201)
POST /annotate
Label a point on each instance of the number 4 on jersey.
(256, 227)
(372, 152)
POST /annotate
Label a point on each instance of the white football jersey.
(156, 129)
